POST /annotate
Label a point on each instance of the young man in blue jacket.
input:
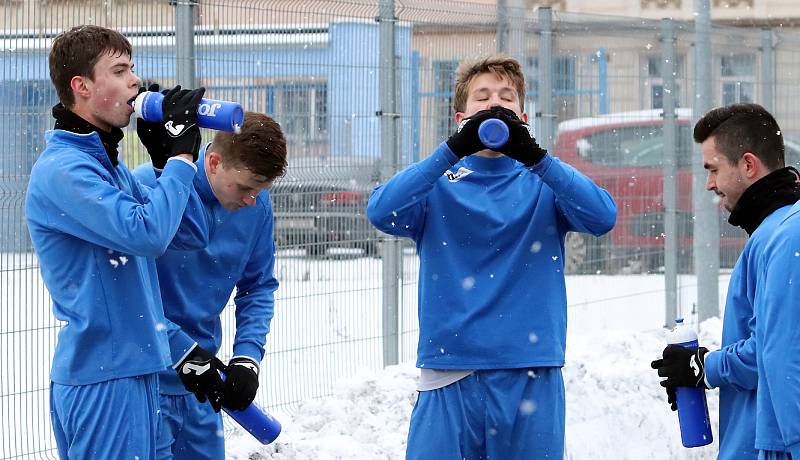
(743, 152)
(777, 309)
(234, 172)
(97, 233)
(489, 228)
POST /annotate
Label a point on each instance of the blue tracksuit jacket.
(733, 368)
(196, 285)
(777, 308)
(490, 237)
(97, 234)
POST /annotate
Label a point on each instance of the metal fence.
(597, 88)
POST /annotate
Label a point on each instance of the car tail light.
(346, 197)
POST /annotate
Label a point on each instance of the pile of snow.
(615, 408)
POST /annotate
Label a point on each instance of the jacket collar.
(90, 144)
(67, 120)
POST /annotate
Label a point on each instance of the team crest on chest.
(458, 175)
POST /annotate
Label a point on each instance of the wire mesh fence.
(315, 67)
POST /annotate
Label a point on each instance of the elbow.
(153, 249)
(606, 220)
(381, 219)
(608, 224)
(155, 244)
(373, 214)
(159, 248)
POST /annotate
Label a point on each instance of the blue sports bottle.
(211, 113)
(260, 424)
(264, 427)
(692, 405)
(493, 133)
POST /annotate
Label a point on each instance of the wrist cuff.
(183, 160)
(245, 361)
(183, 358)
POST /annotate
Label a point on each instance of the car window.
(633, 146)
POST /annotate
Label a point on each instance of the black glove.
(521, 145)
(154, 136)
(241, 383)
(199, 373)
(683, 367)
(672, 398)
(180, 120)
(466, 141)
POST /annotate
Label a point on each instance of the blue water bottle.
(692, 405)
(493, 133)
(264, 427)
(211, 113)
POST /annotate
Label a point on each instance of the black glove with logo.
(180, 120)
(199, 373)
(521, 145)
(241, 383)
(154, 136)
(682, 367)
(466, 141)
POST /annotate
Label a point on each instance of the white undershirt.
(433, 379)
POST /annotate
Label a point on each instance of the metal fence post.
(767, 69)
(184, 43)
(544, 98)
(706, 212)
(501, 35)
(390, 161)
(511, 28)
(670, 173)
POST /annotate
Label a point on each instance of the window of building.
(737, 77)
(444, 81)
(654, 84)
(563, 75)
(564, 85)
(302, 111)
(300, 107)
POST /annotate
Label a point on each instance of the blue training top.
(196, 285)
(490, 237)
(97, 233)
(733, 367)
(777, 310)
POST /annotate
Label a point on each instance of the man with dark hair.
(97, 233)
(743, 152)
(489, 225)
(234, 172)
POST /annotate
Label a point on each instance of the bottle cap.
(493, 133)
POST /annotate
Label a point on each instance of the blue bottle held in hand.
(692, 405)
(260, 424)
(264, 427)
(211, 113)
(493, 133)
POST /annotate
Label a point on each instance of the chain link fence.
(595, 91)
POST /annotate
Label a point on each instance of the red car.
(624, 153)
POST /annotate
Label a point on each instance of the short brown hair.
(500, 65)
(76, 51)
(741, 128)
(259, 147)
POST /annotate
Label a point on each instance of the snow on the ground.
(615, 408)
